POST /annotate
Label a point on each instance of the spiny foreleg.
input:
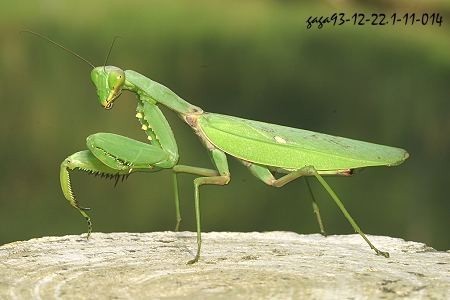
(87, 162)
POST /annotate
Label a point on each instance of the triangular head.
(109, 82)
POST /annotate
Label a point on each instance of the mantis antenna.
(109, 52)
(60, 46)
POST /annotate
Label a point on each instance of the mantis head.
(108, 81)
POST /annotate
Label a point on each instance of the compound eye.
(116, 80)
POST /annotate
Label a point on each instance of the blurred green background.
(252, 59)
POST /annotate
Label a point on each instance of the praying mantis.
(265, 149)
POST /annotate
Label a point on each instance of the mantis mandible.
(263, 148)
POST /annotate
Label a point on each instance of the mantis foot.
(88, 220)
(194, 260)
(177, 226)
(382, 253)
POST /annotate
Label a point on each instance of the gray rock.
(275, 265)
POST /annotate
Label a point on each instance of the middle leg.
(208, 176)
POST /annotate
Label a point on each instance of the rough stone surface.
(275, 265)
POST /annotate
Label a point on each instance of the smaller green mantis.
(263, 148)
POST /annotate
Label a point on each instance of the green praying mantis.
(265, 149)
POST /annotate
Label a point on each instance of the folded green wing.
(291, 148)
